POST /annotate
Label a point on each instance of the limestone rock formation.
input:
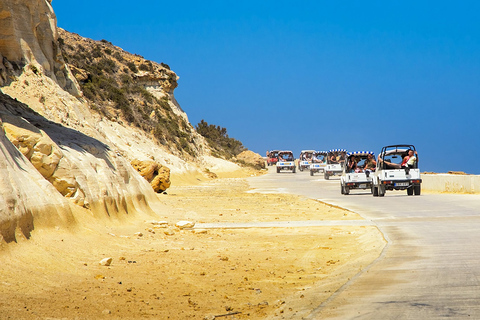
(157, 175)
(28, 36)
(27, 200)
(42, 152)
(74, 165)
(252, 158)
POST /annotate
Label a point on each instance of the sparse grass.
(111, 83)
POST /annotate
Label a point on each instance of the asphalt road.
(430, 268)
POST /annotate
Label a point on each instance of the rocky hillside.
(121, 85)
(75, 114)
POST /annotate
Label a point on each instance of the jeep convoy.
(395, 168)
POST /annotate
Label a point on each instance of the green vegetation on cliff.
(219, 140)
(117, 83)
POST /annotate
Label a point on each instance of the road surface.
(430, 267)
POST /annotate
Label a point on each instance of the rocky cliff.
(28, 35)
(67, 146)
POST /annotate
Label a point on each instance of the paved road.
(430, 268)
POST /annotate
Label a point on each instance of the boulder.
(156, 174)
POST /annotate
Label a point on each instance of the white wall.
(451, 183)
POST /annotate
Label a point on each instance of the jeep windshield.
(285, 156)
(273, 154)
(320, 157)
(357, 161)
(336, 156)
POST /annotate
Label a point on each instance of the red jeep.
(272, 157)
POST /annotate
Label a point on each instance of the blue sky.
(313, 74)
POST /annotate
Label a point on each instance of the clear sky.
(315, 74)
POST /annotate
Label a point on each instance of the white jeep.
(319, 162)
(305, 159)
(358, 171)
(397, 169)
(335, 163)
(286, 161)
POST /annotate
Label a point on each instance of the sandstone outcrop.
(251, 158)
(42, 152)
(157, 175)
(26, 198)
(29, 36)
(74, 165)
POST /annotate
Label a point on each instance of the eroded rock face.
(67, 164)
(155, 173)
(26, 198)
(29, 36)
(43, 153)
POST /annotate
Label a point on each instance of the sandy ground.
(168, 273)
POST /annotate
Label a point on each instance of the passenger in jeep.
(390, 165)
(352, 163)
(285, 157)
(409, 160)
(318, 158)
(370, 163)
(333, 159)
